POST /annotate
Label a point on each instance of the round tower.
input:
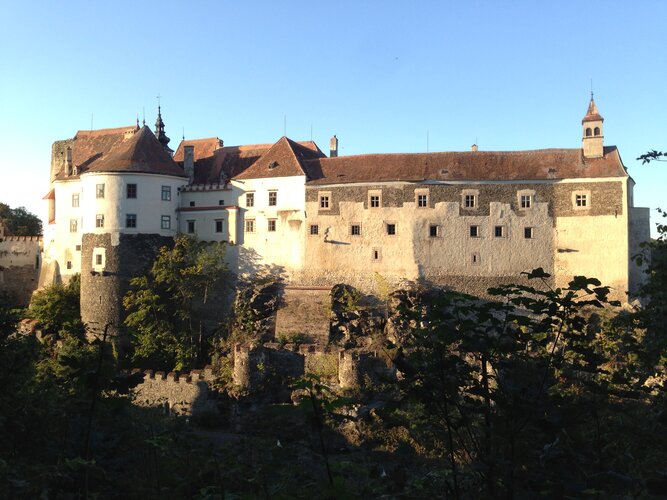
(130, 201)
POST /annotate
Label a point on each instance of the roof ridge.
(104, 131)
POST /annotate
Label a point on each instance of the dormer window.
(273, 165)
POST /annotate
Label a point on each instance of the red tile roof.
(467, 166)
(139, 152)
(285, 158)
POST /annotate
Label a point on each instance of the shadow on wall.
(251, 267)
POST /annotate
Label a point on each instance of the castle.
(466, 220)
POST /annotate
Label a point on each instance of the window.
(218, 226)
(131, 191)
(273, 198)
(99, 191)
(69, 264)
(474, 231)
(433, 231)
(588, 132)
(470, 201)
(324, 202)
(355, 229)
(250, 200)
(376, 254)
(375, 198)
(165, 222)
(131, 220)
(391, 229)
(499, 231)
(581, 200)
(78, 248)
(250, 226)
(99, 259)
(421, 198)
(474, 258)
(596, 131)
(166, 193)
(75, 200)
(99, 220)
(314, 229)
(191, 227)
(525, 201)
(221, 202)
(271, 225)
(192, 203)
(528, 233)
(73, 225)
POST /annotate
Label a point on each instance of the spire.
(592, 114)
(159, 131)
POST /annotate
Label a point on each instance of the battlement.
(22, 238)
(206, 187)
(181, 393)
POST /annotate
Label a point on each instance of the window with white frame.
(250, 225)
(528, 233)
(273, 198)
(581, 200)
(99, 191)
(131, 191)
(99, 220)
(474, 231)
(470, 201)
(249, 200)
(166, 193)
(421, 198)
(218, 226)
(75, 200)
(525, 198)
(73, 225)
(271, 225)
(325, 200)
(433, 230)
(165, 222)
(375, 199)
(499, 231)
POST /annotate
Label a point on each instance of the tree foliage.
(57, 307)
(166, 306)
(20, 221)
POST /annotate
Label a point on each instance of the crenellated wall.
(20, 262)
(183, 393)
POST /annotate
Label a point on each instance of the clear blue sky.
(510, 75)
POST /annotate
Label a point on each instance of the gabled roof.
(285, 158)
(140, 152)
(539, 164)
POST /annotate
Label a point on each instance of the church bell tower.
(592, 140)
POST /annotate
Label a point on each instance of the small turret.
(592, 141)
(159, 132)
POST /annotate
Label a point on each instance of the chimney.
(333, 147)
(189, 162)
(68, 161)
(220, 144)
(473, 148)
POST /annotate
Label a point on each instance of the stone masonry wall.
(20, 260)
(184, 394)
(305, 311)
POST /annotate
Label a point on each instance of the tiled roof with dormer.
(481, 166)
(286, 158)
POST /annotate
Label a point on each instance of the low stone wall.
(180, 393)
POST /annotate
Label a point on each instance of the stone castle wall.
(20, 263)
(181, 393)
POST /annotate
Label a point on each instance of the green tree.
(20, 221)
(167, 307)
(57, 307)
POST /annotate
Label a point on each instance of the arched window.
(588, 132)
(596, 131)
